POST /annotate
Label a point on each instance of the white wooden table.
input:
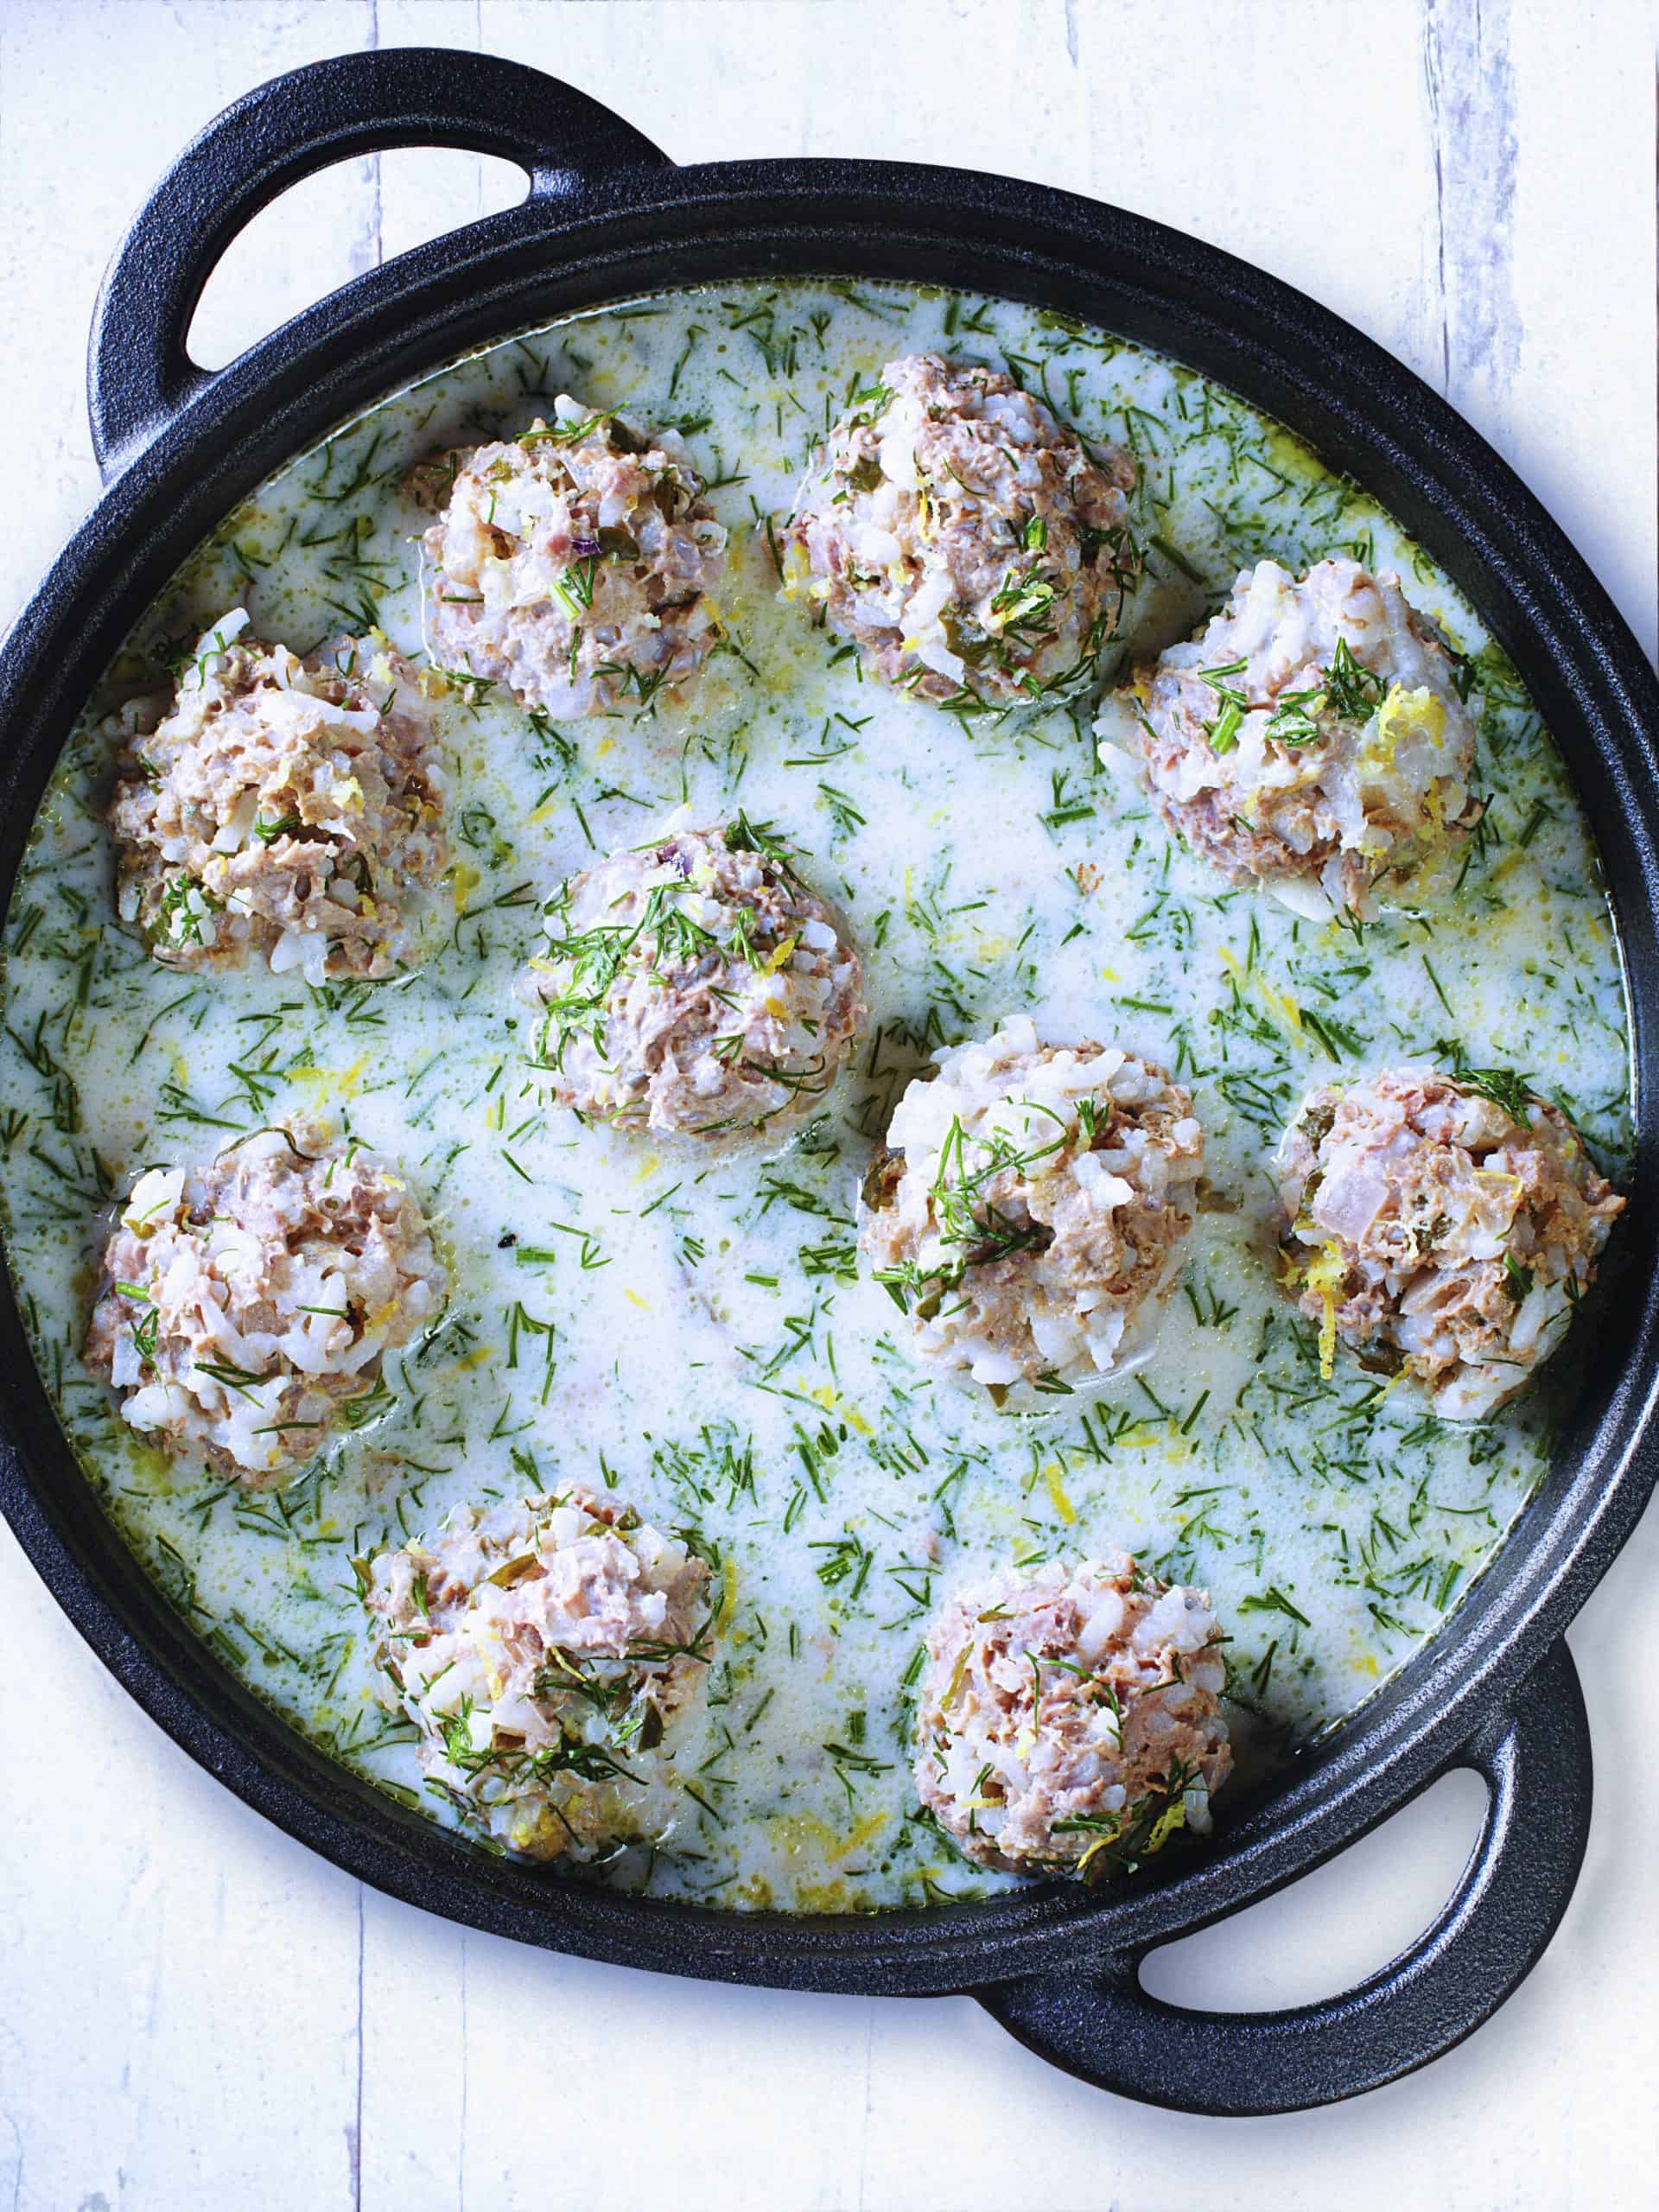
(195, 2011)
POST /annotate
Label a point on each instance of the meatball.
(695, 987)
(543, 1649)
(1028, 1209)
(574, 563)
(1311, 736)
(1070, 1721)
(284, 808)
(245, 1303)
(1444, 1227)
(969, 544)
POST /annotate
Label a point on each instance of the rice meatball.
(574, 565)
(284, 809)
(1441, 1226)
(1311, 736)
(968, 543)
(694, 987)
(1070, 1721)
(247, 1303)
(543, 1649)
(1028, 1210)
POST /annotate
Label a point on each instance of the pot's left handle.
(138, 373)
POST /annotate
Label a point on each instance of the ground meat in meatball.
(1070, 1721)
(1311, 736)
(574, 565)
(1028, 1212)
(247, 1303)
(1447, 1227)
(289, 809)
(542, 1648)
(970, 545)
(694, 987)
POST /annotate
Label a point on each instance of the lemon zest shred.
(1324, 1274)
(1056, 1488)
(1280, 1004)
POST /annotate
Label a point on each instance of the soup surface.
(694, 1331)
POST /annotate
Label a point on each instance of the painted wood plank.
(164, 1954)
(1575, 409)
(162, 1950)
(714, 2095)
(412, 2086)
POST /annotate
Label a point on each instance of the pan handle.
(1535, 1757)
(138, 374)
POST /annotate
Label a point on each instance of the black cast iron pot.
(608, 216)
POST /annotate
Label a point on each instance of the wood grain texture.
(196, 2012)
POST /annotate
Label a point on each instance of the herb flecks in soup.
(683, 1327)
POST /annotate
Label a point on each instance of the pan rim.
(795, 218)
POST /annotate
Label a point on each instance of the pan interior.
(700, 1336)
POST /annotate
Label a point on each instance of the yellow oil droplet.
(824, 1396)
(822, 1897)
(332, 1082)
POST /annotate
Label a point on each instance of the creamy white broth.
(691, 1329)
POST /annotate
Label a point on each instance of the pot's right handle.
(1535, 1756)
(138, 374)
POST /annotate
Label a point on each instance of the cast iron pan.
(607, 216)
